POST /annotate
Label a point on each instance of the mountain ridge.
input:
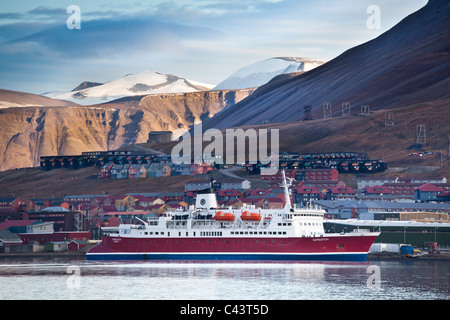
(407, 64)
(142, 83)
(261, 72)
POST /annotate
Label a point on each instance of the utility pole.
(346, 109)
(389, 119)
(307, 116)
(327, 111)
(365, 110)
(421, 135)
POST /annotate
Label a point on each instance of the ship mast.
(286, 184)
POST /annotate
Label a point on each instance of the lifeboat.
(250, 216)
(224, 216)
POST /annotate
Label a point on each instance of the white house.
(41, 227)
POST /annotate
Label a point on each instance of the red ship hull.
(326, 248)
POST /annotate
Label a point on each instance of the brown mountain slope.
(34, 183)
(356, 133)
(31, 132)
(9, 98)
(408, 64)
(352, 133)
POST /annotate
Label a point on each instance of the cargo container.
(406, 249)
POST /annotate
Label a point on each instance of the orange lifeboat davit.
(250, 216)
(224, 216)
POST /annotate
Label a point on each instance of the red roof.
(307, 190)
(259, 192)
(341, 189)
(16, 223)
(428, 187)
(377, 190)
(124, 213)
(228, 192)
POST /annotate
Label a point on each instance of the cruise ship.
(210, 232)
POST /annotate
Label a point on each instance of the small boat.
(250, 216)
(224, 216)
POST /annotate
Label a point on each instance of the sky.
(42, 49)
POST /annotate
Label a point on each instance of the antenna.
(346, 109)
(327, 111)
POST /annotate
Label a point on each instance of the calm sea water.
(81, 279)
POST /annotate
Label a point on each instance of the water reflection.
(222, 280)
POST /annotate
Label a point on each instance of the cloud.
(11, 15)
(109, 37)
(47, 11)
(204, 40)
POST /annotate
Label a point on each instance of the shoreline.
(408, 257)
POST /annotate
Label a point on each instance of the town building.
(427, 192)
(159, 136)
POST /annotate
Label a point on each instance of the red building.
(304, 194)
(341, 192)
(317, 175)
(43, 238)
(12, 204)
(377, 190)
(105, 171)
(279, 175)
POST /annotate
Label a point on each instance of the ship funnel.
(206, 201)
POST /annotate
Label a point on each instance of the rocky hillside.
(30, 132)
(12, 99)
(406, 65)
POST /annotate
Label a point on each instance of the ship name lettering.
(321, 239)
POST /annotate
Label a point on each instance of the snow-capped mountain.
(260, 73)
(142, 83)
